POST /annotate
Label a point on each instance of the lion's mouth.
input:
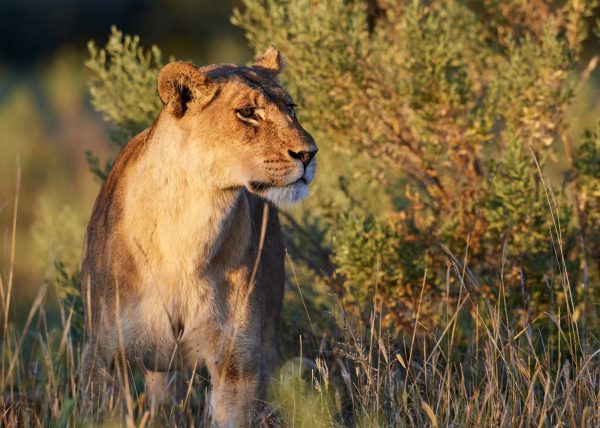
(257, 186)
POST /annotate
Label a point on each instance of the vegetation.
(446, 270)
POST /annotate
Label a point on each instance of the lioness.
(175, 269)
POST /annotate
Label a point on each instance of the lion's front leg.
(96, 380)
(238, 388)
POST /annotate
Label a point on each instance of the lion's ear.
(179, 83)
(271, 61)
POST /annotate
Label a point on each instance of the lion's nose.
(304, 156)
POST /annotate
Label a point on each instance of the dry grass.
(475, 369)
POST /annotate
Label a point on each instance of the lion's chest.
(191, 246)
(186, 320)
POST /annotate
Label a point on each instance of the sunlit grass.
(474, 369)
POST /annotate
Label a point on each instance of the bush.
(123, 88)
(463, 108)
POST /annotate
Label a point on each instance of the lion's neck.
(177, 215)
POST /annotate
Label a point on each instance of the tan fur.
(174, 236)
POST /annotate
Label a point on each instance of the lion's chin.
(286, 196)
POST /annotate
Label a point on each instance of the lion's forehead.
(250, 78)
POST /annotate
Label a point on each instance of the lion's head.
(242, 123)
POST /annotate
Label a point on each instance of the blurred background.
(47, 122)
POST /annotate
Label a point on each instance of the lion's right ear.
(271, 61)
(179, 84)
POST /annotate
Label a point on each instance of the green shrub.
(457, 102)
(123, 88)
(587, 204)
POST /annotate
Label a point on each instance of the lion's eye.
(247, 112)
(292, 110)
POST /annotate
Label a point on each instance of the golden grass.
(475, 369)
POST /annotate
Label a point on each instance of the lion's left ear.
(180, 83)
(271, 61)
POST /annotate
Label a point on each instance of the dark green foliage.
(68, 286)
(587, 161)
(95, 165)
(587, 166)
(375, 260)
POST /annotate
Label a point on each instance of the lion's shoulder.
(109, 201)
